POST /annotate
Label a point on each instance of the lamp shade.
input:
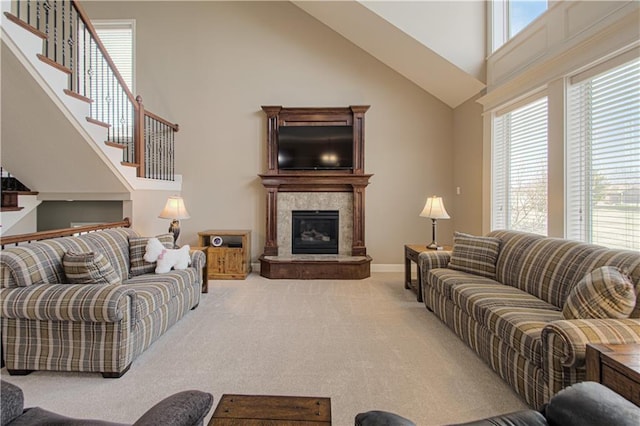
(174, 209)
(434, 209)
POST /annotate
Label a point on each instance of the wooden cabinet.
(228, 253)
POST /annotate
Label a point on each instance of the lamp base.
(434, 246)
(174, 228)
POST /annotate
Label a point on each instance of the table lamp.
(174, 210)
(434, 209)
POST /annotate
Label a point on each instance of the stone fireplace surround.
(340, 201)
(315, 190)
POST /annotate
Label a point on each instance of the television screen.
(315, 147)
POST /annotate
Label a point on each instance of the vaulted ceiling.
(438, 45)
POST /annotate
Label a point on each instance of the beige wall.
(209, 66)
(467, 158)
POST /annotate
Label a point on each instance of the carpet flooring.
(366, 344)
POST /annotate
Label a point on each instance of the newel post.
(138, 138)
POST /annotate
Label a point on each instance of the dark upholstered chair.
(582, 404)
(187, 408)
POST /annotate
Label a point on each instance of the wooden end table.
(263, 410)
(205, 275)
(617, 367)
(411, 254)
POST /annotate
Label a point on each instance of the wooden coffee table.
(263, 410)
(617, 367)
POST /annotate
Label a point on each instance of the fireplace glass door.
(314, 232)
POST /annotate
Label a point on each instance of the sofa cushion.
(521, 328)
(155, 290)
(476, 255)
(114, 244)
(511, 314)
(88, 268)
(604, 293)
(137, 246)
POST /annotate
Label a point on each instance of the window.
(117, 37)
(509, 17)
(603, 156)
(519, 168)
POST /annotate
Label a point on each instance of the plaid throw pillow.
(137, 247)
(88, 268)
(476, 255)
(603, 293)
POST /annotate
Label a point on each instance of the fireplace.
(329, 247)
(314, 232)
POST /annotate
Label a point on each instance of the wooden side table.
(617, 367)
(411, 254)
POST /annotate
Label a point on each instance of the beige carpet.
(365, 344)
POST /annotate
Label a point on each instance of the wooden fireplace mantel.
(316, 182)
(354, 181)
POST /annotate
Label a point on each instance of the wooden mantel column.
(271, 242)
(358, 248)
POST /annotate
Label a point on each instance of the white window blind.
(519, 169)
(603, 158)
(118, 39)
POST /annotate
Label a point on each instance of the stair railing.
(71, 44)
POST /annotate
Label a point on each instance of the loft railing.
(56, 233)
(71, 43)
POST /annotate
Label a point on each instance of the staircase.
(17, 204)
(81, 133)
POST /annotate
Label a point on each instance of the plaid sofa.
(515, 321)
(49, 324)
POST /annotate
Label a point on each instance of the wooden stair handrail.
(65, 232)
(87, 22)
(174, 126)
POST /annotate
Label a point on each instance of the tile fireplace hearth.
(341, 191)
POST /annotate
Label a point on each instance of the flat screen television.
(315, 148)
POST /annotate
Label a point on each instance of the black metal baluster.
(64, 38)
(147, 151)
(46, 7)
(55, 30)
(38, 15)
(72, 47)
(173, 150)
(163, 146)
(155, 149)
(86, 67)
(29, 12)
(91, 71)
(18, 9)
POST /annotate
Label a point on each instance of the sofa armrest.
(67, 302)
(591, 404)
(187, 408)
(564, 345)
(12, 402)
(432, 260)
(198, 259)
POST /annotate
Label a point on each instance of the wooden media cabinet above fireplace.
(315, 162)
